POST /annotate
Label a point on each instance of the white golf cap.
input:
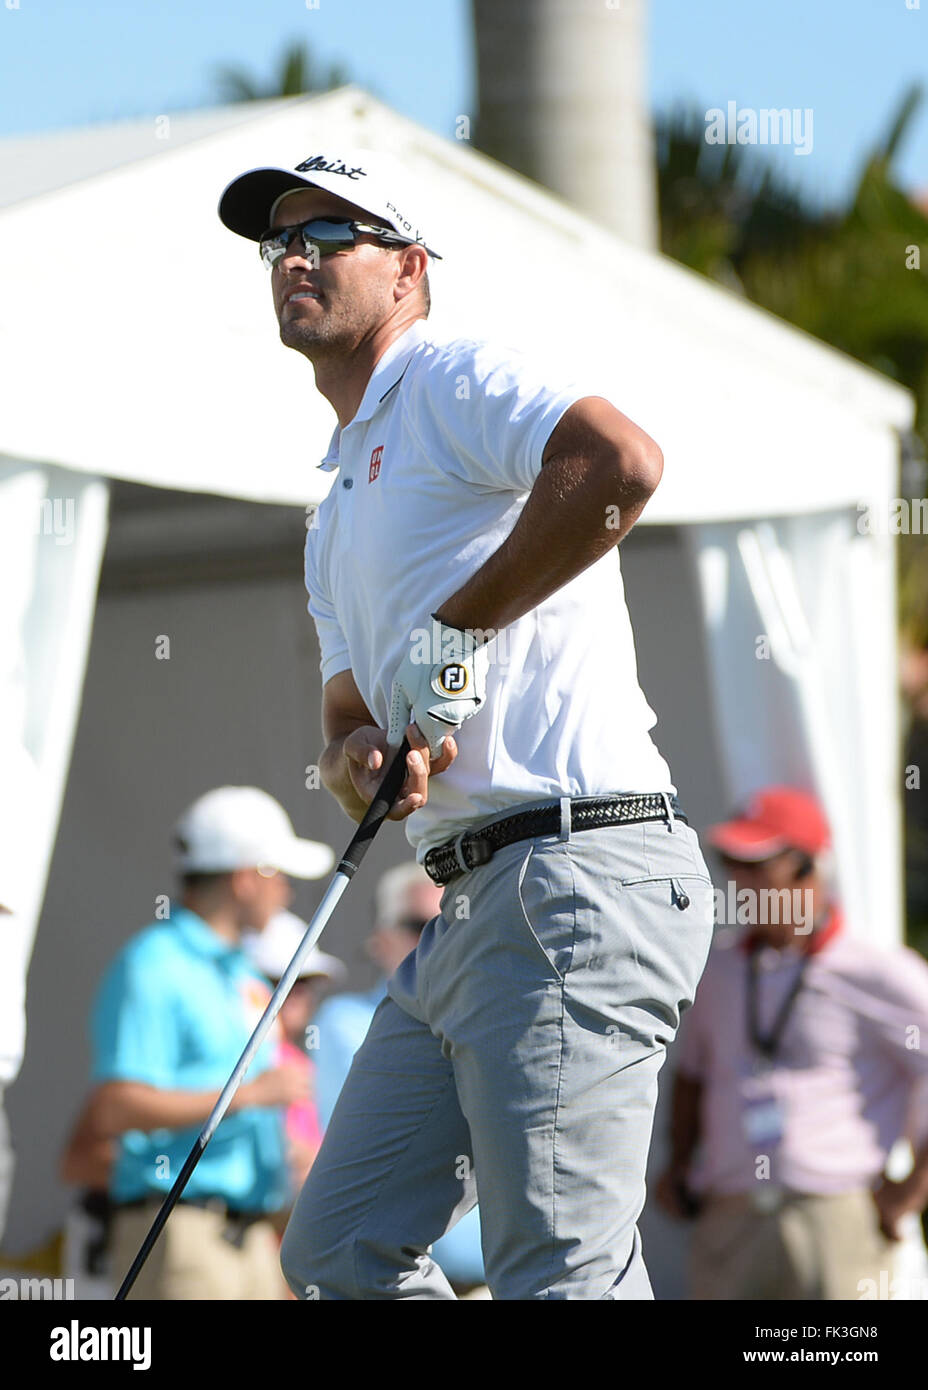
(368, 178)
(244, 828)
(272, 950)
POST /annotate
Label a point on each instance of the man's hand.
(894, 1200)
(365, 751)
(286, 1085)
(673, 1195)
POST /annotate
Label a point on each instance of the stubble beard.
(338, 327)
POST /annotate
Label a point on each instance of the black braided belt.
(471, 848)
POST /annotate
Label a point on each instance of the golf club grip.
(384, 798)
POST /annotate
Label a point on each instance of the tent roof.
(34, 164)
(140, 343)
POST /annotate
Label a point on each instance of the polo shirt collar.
(200, 937)
(388, 372)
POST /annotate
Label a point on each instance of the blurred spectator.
(271, 951)
(797, 1067)
(171, 1019)
(406, 900)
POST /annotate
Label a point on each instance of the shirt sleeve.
(333, 643)
(135, 1031)
(494, 409)
(895, 1011)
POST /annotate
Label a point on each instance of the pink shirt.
(302, 1119)
(849, 1078)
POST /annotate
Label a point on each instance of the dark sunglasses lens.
(337, 233)
(320, 236)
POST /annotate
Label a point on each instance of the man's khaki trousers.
(799, 1247)
(193, 1259)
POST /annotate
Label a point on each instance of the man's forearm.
(684, 1120)
(124, 1105)
(577, 511)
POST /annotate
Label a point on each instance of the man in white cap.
(171, 1018)
(465, 560)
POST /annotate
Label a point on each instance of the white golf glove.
(442, 682)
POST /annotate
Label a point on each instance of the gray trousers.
(515, 1058)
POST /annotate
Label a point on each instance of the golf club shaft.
(374, 817)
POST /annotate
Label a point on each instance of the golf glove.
(442, 682)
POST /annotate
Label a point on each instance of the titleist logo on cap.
(330, 166)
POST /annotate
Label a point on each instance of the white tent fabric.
(801, 662)
(52, 532)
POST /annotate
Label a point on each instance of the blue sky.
(64, 63)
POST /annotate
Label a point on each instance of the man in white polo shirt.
(463, 564)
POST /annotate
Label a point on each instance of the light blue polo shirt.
(175, 1010)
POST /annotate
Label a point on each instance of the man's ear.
(414, 261)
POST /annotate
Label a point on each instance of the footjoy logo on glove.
(452, 679)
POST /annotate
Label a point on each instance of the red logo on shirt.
(376, 456)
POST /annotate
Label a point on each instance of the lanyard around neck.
(767, 1044)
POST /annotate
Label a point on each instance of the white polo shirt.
(433, 472)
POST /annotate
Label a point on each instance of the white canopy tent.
(140, 346)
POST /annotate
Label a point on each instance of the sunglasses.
(324, 237)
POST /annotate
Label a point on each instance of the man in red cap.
(798, 1068)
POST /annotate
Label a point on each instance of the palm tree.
(841, 275)
(720, 203)
(844, 276)
(297, 72)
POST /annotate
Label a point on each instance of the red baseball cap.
(775, 819)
